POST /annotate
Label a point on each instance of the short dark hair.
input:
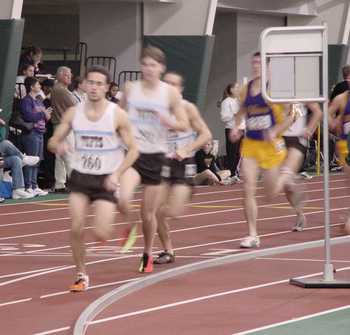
(48, 83)
(29, 82)
(99, 69)
(25, 67)
(227, 91)
(76, 82)
(182, 78)
(346, 71)
(154, 53)
(257, 54)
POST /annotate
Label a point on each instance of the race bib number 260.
(91, 162)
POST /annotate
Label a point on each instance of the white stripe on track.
(182, 216)
(15, 302)
(306, 317)
(202, 298)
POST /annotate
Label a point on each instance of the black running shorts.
(296, 142)
(179, 172)
(149, 167)
(90, 185)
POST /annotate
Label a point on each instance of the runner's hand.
(112, 182)
(181, 154)
(235, 135)
(62, 148)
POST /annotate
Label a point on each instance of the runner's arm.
(61, 131)
(314, 120)
(124, 130)
(200, 127)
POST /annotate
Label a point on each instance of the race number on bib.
(259, 122)
(91, 162)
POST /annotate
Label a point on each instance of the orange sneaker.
(146, 264)
(81, 284)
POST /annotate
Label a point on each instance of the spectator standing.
(113, 94)
(229, 107)
(343, 85)
(33, 56)
(79, 89)
(61, 100)
(26, 71)
(33, 110)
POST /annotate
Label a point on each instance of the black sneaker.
(164, 257)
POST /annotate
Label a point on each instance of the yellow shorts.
(342, 151)
(268, 155)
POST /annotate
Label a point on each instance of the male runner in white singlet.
(101, 132)
(296, 138)
(153, 107)
(179, 168)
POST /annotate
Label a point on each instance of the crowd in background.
(39, 103)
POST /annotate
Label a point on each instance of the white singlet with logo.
(180, 139)
(143, 110)
(98, 149)
(297, 128)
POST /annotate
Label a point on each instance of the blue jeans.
(8, 149)
(14, 163)
(33, 146)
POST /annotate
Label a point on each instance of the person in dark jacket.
(33, 110)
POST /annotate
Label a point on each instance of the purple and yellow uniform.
(342, 145)
(260, 118)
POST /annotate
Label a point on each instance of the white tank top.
(297, 128)
(180, 139)
(150, 134)
(98, 149)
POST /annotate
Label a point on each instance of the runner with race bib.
(104, 150)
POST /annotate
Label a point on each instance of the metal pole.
(328, 268)
(318, 150)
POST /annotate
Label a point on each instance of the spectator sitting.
(32, 56)
(113, 94)
(33, 110)
(207, 169)
(78, 86)
(14, 160)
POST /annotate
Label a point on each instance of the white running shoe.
(30, 160)
(250, 242)
(39, 192)
(20, 193)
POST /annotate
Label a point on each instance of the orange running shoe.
(146, 264)
(81, 284)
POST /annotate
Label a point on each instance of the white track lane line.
(15, 302)
(63, 268)
(54, 331)
(202, 298)
(137, 221)
(16, 274)
(300, 259)
(180, 230)
(138, 200)
(185, 302)
(91, 287)
(188, 205)
(306, 317)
